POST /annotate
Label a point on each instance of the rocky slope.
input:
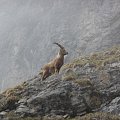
(87, 86)
(29, 27)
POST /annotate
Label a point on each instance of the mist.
(29, 27)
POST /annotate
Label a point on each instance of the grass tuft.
(98, 59)
(83, 82)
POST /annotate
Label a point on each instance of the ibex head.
(62, 49)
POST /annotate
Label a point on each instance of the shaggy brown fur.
(55, 65)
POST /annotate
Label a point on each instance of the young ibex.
(55, 65)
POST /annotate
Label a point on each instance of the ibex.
(55, 65)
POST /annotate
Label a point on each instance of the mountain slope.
(88, 84)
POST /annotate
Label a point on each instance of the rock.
(63, 97)
(66, 116)
(22, 101)
(3, 113)
(113, 107)
(23, 111)
(22, 108)
(75, 91)
(3, 103)
(53, 117)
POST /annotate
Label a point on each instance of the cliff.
(86, 88)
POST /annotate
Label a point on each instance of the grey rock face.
(22, 101)
(59, 98)
(113, 107)
(3, 103)
(28, 29)
(23, 110)
(65, 97)
(83, 86)
(2, 114)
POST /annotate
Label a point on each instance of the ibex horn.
(59, 45)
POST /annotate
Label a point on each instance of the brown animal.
(55, 65)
